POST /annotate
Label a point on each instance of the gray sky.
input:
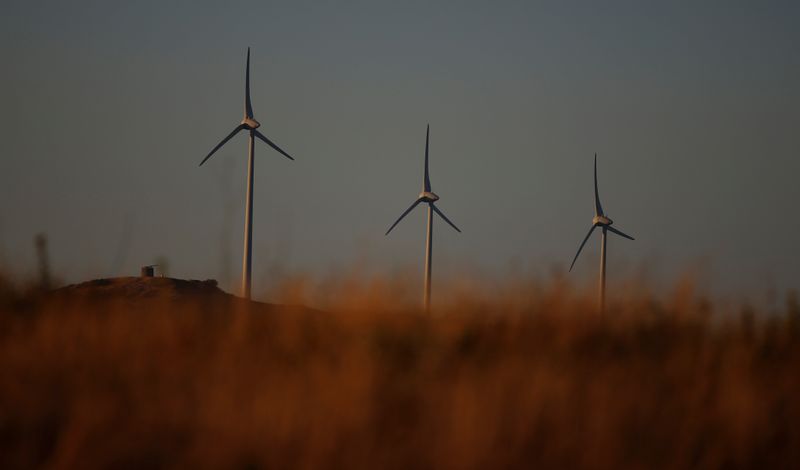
(106, 110)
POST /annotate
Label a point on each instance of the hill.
(140, 288)
(163, 291)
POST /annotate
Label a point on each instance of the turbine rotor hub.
(428, 196)
(251, 123)
(602, 220)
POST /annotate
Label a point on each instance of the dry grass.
(535, 380)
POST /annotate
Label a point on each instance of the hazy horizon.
(692, 111)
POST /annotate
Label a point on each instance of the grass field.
(537, 380)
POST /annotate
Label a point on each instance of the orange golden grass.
(525, 377)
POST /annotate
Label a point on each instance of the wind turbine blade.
(619, 232)
(272, 144)
(581, 247)
(237, 129)
(248, 108)
(441, 214)
(598, 209)
(403, 215)
(426, 184)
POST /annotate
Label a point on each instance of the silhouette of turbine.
(429, 197)
(599, 220)
(249, 124)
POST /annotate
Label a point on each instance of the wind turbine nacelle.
(601, 220)
(251, 123)
(427, 196)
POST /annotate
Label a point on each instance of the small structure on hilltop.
(149, 271)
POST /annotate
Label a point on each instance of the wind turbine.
(251, 125)
(599, 220)
(428, 197)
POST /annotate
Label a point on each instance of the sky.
(106, 109)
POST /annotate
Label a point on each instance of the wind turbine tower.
(428, 197)
(599, 220)
(249, 124)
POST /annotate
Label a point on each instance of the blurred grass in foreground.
(533, 378)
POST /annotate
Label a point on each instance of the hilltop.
(139, 288)
(146, 290)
